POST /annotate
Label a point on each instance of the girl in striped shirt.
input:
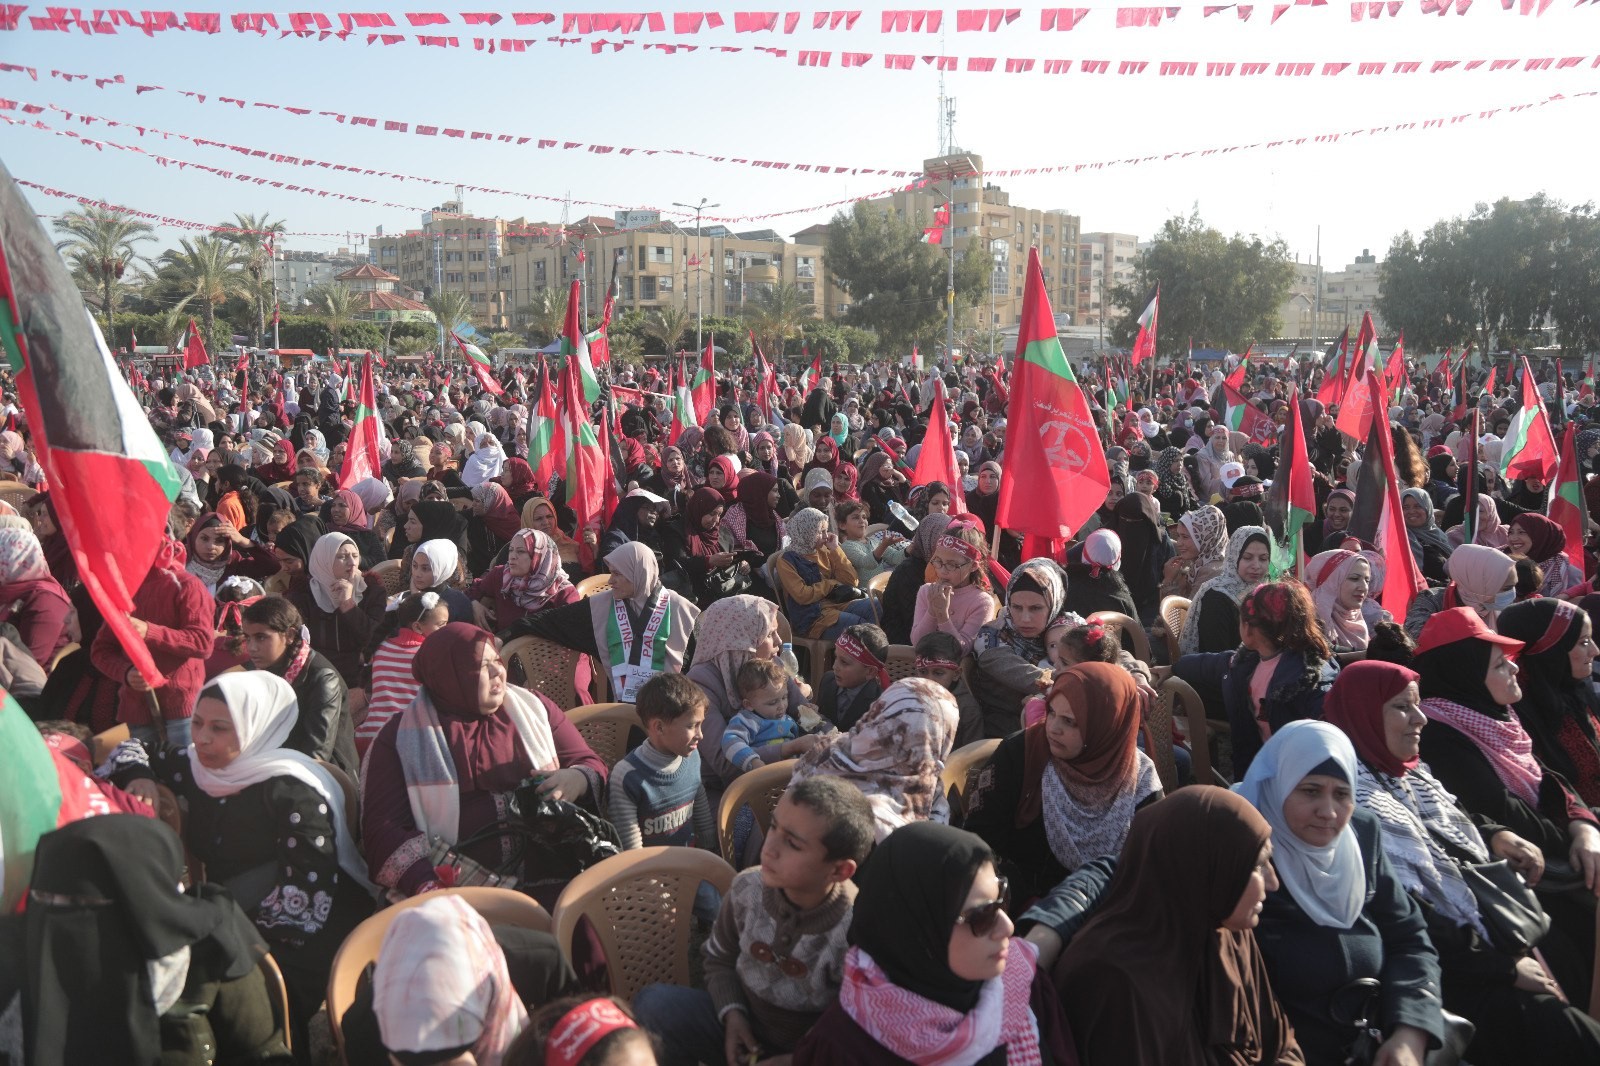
(408, 622)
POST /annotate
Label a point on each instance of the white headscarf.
(321, 570)
(443, 556)
(1329, 883)
(264, 712)
(485, 463)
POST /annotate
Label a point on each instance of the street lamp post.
(699, 304)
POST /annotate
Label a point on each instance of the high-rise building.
(1354, 291)
(296, 273)
(1105, 260)
(454, 251)
(983, 216)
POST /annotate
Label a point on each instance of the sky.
(1361, 191)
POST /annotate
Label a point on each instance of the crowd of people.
(1405, 869)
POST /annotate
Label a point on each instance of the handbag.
(1511, 913)
(1363, 1050)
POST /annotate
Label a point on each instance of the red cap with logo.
(1461, 623)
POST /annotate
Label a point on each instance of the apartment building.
(1105, 260)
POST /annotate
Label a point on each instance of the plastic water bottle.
(906, 518)
(790, 663)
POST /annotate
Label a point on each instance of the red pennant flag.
(1333, 375)
(194, 348)
(361, 453)
(1049, 489)
(1355, 415)
(937, 459)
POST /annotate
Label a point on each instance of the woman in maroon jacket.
(530, 580)
(30, 598)
(172, 612)
(444, 766)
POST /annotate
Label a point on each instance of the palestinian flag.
(1049, 488)
(1458, 413)
(30, 798)
(1566, 503)
(598, 343)
(194, 348)
(683, 409)
(812, 374)
(1332, 387)
(575, 344)
(1144, 343)
(1529, 450)
(111, 481)
(361, 453)
(480, 365)
(1291, 502)
(1378, 519)
(1245, 417)
(704, 386)
(1395, 377)
(585, 462)
(541, 429)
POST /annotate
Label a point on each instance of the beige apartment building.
(1105, 260)
(982, 213)
(502, 264)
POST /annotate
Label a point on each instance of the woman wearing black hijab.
(933, 974)
(435, 520)
(121, 966)
(1558, 703)
(1145, 551)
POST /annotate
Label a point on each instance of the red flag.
(1355, 415)
(1378, 519)
(1566, 503)
(1459, 414)
(1488, 386)
(361, 453)
(194, 348)
(1331, 391)
(1366, 337)
(1395, 373)
(1144, 344)
(1051, 488)
(937, 459)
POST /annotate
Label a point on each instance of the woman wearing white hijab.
(339, 605)
(485, 462)
(270, 824)
(1340, 914)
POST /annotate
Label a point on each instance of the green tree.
(1576, 302)
(412, 344)
(665, 326)
(545, 315)
(99, 245)
(1220, 291)
(451, 309)
(776, 313)
(507, 340)
(204, 270)
(1426, 288)
(335, 305)
(249, 234)
(897, 284)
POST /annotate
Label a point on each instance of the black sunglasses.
(982, 918)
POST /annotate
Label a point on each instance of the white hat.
(1231, 472)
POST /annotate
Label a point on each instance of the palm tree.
(667, 325)
(334, 305)
(207, 270)
(452, 310)
(412, 345)
(546, 315)
(776, 313)
(250, 236)
(100, 246)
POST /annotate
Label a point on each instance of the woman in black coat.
(899, 604)
(323, 729)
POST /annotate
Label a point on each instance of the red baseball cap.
(1461, 623)
(1439, 449)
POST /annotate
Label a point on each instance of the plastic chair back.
(759, 789)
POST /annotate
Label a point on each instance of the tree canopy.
(1220, 291)
(1497, 277)
(897, 284)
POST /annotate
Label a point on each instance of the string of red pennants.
(1121, 68)
(346, 24)
(1439, 122)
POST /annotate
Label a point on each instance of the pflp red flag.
(1395, 372)
(194, 348)
(361, 454)
(1488, 386)
(1055, 466)
(111, 482)
(1144, 343)
(1566, 503)
(1355, 414)
(936, 461)
(1378, 519)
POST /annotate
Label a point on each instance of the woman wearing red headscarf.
(753, 519)
(1064, 791)
(444, 767)
(1544, 542)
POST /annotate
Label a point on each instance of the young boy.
(763, 720)
(858, 676)
(655, 795)
(939, 659)
(776, 954)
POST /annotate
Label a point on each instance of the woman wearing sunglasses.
(934, 974)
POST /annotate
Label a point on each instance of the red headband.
(851, 645)
(581, 1028)
(1560, 622)
(929, 663)
(232, 612)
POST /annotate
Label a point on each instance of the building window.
(660, 255)
(647, 286)
(1048, 252)
(476, 276)
(1019, 227)
(805, 266)
(452, 257)
(664, 283)
(453, 277)
(476, 257)
(626, 285)
(477, 297)
(1049, 231)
